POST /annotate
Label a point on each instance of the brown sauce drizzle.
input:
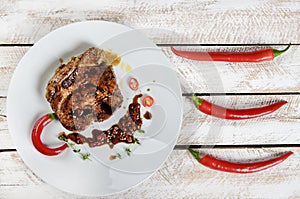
(148, 115)
(120, 132)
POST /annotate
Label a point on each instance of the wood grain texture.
(193, 22)
(9, 59)
(175, 21)
(198, 128)
(280, 75)
(180, 177)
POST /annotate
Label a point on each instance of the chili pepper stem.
(52, 116)
(197, 101)
(196, 154)
(279, 52)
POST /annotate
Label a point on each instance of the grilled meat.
(85, 89)
(123, 131)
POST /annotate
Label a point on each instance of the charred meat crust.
(84, 90)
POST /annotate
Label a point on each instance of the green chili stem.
(197, 101)
(279, 52)
(52, 116)
(196, 154)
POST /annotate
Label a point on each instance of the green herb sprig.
(84, 156)
(128, 150)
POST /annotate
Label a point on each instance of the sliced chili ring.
(133, 84)
(148, 101)
(36, 136)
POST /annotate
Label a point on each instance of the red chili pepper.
(148, 101)
(133, 84)
(234, 114)
(254, 56)
(233, 167)
(36, 136)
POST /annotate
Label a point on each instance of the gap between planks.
(195, 146)
(175, 44)
(228, 94)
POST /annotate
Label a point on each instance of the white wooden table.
(201, 25)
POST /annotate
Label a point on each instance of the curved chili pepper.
(234, 114)
(254, 56)
(36, 136)
(233, 167)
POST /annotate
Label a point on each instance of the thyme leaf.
(128, 151)
(84, 156)
(136, 140)
(119, 155)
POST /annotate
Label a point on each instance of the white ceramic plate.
(141, 59)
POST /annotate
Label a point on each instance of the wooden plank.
(9, 59)
(280, 127)
(280, 75)
(180, 177)
(289, 111)
(175, 21)
(5, 137)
